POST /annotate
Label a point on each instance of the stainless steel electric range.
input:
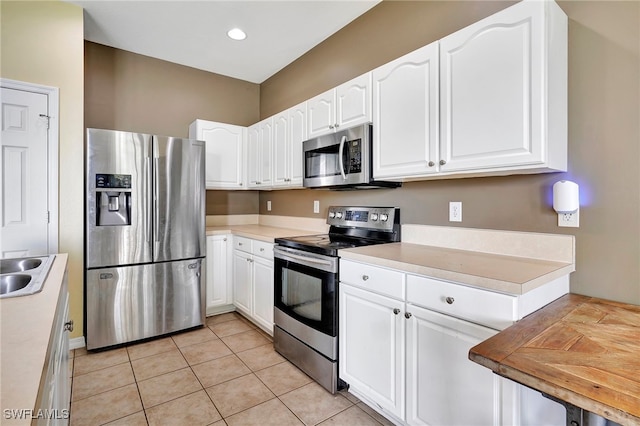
(306, 286)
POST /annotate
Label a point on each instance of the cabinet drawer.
(242, 243)
(379, 280)
(485, 307)
(263, 249)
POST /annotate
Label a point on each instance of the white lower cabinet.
(219, 288)
(253, 280)
(56, 392)
(443, 386)
(372, 342)
(404, 348)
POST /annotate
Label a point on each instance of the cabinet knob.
(331, 126)
(336, 125)
(443, 162)
(407, 315)
(261, 249)
(365, 277)
(431, 164)
(449, 300)
(240, 184)
(239, 244)
(224, 239)
(396, 311)
(68, 326)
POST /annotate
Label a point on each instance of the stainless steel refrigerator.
(145, 236)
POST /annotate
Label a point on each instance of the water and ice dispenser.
(113, 200)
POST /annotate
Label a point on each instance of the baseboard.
(76, 343)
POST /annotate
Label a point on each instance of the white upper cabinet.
(289, 131)
(259, 149)
(490, 99)
(405, 115)
(344, 106)
(503, 91)
(224, 147)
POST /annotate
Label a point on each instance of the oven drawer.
(379, 280)
(495, 310)
(262, 249)
(242, 243)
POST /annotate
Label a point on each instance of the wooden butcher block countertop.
(582, 350)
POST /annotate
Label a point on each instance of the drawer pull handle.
(396, 311)
(407, 315)
(365, 277)
(450, 300)
(68, 326)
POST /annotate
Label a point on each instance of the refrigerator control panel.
(113, 181)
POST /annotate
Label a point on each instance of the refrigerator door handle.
(156, 207)
(149, 200)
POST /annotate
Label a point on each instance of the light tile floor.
(224, 374)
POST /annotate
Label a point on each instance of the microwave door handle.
(340, 151)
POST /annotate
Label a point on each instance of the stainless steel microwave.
(341, 160)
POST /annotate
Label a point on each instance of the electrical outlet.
(268, 205)
(569, 220)
(316, 206)
(455, 211)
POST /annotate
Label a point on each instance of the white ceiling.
(193, 33)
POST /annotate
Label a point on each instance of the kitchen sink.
(9, 266)
(13, 282)
(23, 276)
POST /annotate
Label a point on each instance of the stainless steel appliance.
(145, 236)
(306, 281)
(341, 160)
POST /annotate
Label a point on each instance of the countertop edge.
(36, 311)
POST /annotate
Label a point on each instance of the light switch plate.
(268, 205)
(316, 206)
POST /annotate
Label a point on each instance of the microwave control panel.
(354, 155)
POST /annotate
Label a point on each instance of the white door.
(242, 281)
(217, 294)
(263, 292)
(281, 166)
(298, 134)
(353, 102)
(321, 114)
(405, 115)
(24, 188)
(371, 345)
(443, 386)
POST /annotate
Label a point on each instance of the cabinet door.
(253, 155)
(321, 114)
(405, 115)
(281, 146)
(371, 342)
(224, 147)
(242, 281)
(443, 386)
(297, 135)
(218, 293)
(265, 169)
(492, 91)
(353, 102)
(263, 293)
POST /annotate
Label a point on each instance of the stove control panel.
(378, 218)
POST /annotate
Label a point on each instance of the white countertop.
(258, 232)
(508, 274)
(25, 329)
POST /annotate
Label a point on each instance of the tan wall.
(42, 42)
(604, 136)
(127, 91)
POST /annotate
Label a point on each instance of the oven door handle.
(340, 152)
(307, 259)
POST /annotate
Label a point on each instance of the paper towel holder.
(566, 202)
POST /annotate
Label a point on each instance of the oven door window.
(306, 294)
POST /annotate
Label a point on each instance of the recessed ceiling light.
(236, 34)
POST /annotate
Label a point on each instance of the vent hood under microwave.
(341, 160)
